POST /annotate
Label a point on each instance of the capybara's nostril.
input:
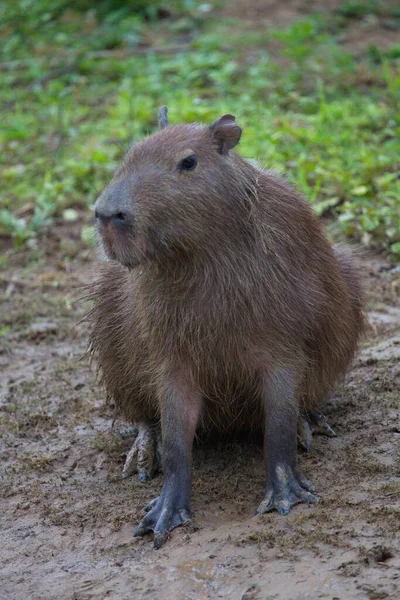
(107, 216)
(119, 217)
(101, 216)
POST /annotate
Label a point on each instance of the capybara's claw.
(144, 457)
(304, 434)
(309, 424)
(288, 487)
(161, 518)
(151, 504)
(320, 425)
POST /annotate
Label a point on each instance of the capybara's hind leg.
(309, 424)
(144, 457)
(286, 485)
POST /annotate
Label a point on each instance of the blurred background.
(315, 85)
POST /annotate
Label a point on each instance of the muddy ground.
(67, 517)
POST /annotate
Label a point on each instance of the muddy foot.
(144, 457)
(162, 515)
(288, 487)
(311, 423)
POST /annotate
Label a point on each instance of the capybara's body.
(285, 295)
(227, 278)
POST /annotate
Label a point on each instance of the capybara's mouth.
(108, 238)
(107, 235)
(117, 246)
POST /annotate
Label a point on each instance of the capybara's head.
(179, 191)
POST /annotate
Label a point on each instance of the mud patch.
(68, 517)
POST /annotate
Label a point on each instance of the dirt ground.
(67, 517)
(369, 30)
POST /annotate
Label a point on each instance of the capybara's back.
(223, 303)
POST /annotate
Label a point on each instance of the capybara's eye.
(188, 163)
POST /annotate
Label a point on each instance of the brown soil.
(379, 30)
(68, 518)
(276, 12)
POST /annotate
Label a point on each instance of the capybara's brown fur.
(224, 305)
(223, 272)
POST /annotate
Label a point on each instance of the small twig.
(120, 54)
(14, 65)
(163, 117)
(52, 75)
(138, 51)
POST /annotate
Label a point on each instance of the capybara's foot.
(287, 488)
(309, 424)
(162, 515)
(144, 457)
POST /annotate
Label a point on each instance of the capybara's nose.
(111, 216)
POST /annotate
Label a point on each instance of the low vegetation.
(78, 85)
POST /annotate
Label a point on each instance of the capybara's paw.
(144, 457)
(309, 424)
(162, 516)
(288, 488)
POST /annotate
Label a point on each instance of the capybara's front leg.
(180, 409)
(286, 485)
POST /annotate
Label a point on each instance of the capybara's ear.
(226, 133)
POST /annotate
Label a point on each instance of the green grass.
(77, 86)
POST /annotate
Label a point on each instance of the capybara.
(222, 305)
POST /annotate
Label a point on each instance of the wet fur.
(236, 280)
